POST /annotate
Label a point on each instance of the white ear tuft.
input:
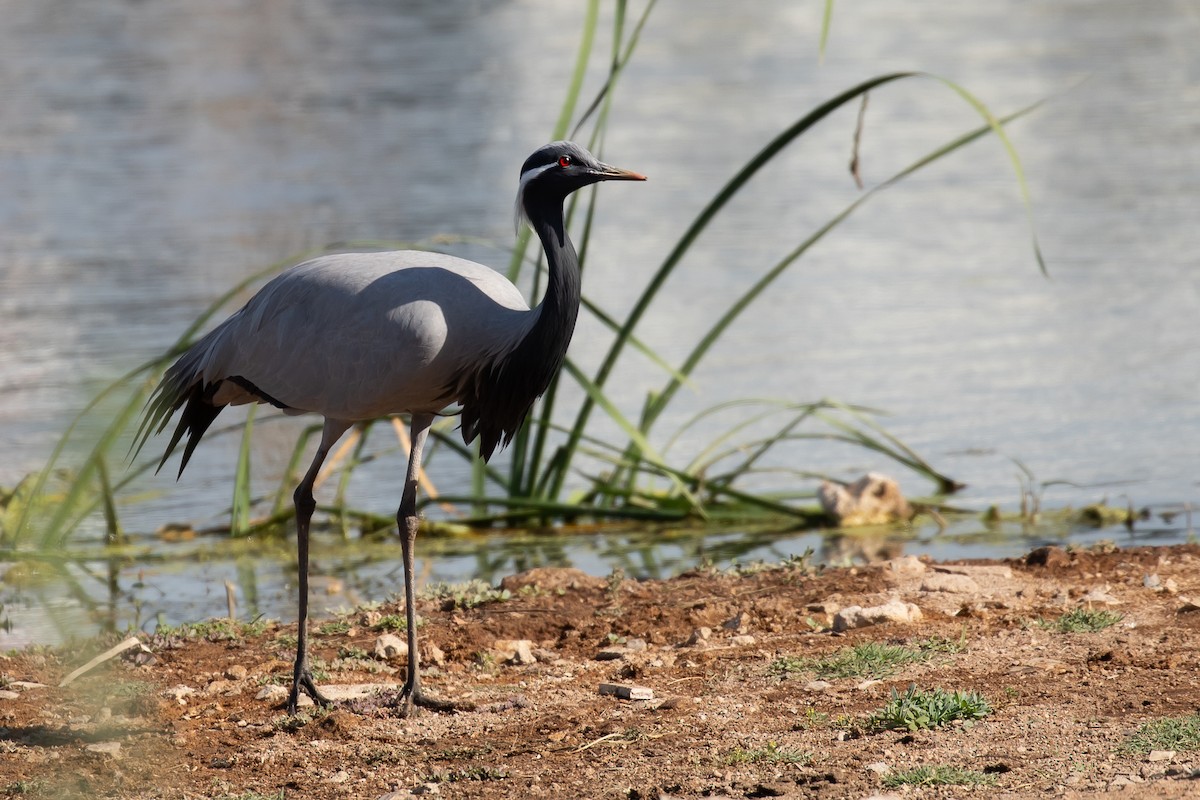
(520, 217)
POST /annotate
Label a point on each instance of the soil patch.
(740, 704)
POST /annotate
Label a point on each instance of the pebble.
(817, 686)
(236, 673)
(1160, 755)
(514, 651)
(341, 776)
(956, 584)
(879, 768)
(112, 749)
(699, 636)
(179, 693)
(1100, 595)
(6, 694)
(744, 640)
(389, 646)
(432, 654)
(859, 617)
(907, 565)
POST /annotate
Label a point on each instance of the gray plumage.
(358, 336)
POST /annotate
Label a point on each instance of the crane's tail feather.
(179, 385)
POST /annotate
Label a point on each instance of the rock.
(434, 654)
(341, 776)
(1152, 581)
(236, 673)
(977, 571)
(179, 693)
(879, 768)
(636, 645)
(699, 636)
(545, 655)
(955, 584)
(276, 695)
(514, 651)
(873, 499)
(612, 654)
(1100, 595)
(111, 749)
(222, 686)
(817, 686)
(869, 683)
(1160, 755)
(744, 640)
(627, 692)
(389, 647)
(858, 617)
(6, 694)
(907, 565)
(736, 623)
(1048, 556)
(553, 579)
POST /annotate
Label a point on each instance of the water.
(153, 154)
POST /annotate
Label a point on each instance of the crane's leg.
(408, 522)
(305, 505)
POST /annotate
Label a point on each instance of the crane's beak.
(604, 172)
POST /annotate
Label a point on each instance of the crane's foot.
(411, 698)
(304, 680)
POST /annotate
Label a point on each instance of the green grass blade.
(630, 430)
(239, 510)
(826, 22)
(112, 524)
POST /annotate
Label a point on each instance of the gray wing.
(350, 336)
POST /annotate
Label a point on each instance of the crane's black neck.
(497, 400)
(560, 305)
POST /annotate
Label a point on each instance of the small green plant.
(1083, 620)
(938, 776)
(17, 788)
(1168, 733)
(812, 719)
(867, 660)
(470, 594)
(918, 709)
(770, 753)
(390, 622)
(220, 629)
(335, 627)
(285, 641)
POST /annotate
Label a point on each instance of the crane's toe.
(305, 681)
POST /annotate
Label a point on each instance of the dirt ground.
(736, 709)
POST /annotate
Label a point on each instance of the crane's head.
(559, 168)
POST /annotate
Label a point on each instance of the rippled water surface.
(152, 154)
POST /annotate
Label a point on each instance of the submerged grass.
(553, 472)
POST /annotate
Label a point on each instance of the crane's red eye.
(564, 161)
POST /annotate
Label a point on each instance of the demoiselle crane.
(358, 336)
